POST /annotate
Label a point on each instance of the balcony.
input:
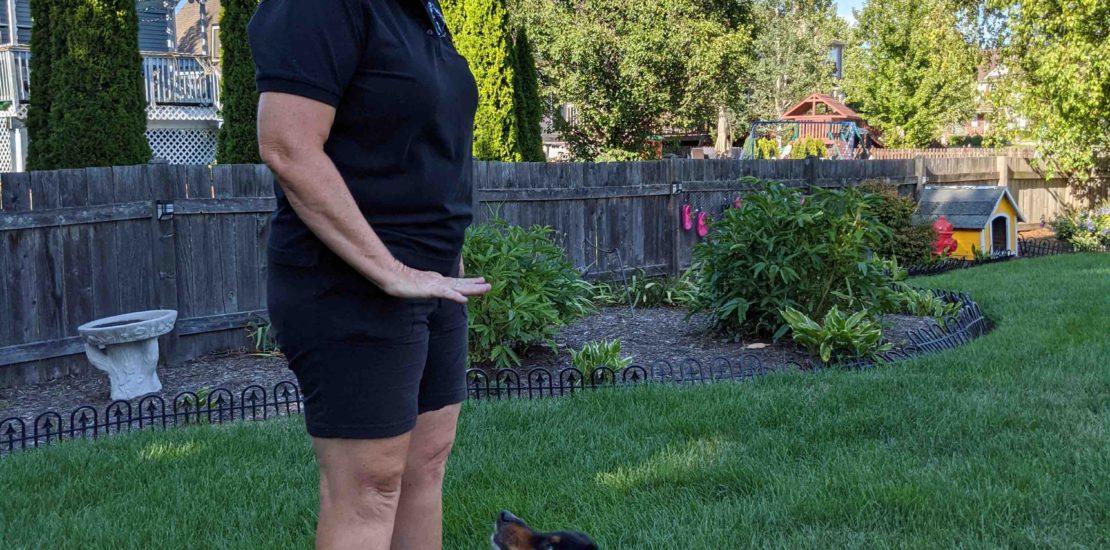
(170, 80)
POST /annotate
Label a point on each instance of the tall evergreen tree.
(44, 49)
(529, 106)
(97, 111)
(237, 142)
(482, 35)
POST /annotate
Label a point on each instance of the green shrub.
(97, 103)
(599, 354)
(910, 243)
(925, 303)
(536, 290)
(779, 251)
(1089, 229)
(644, 291)
(237, 142)
(767, 148)
(837, 337)
(808, 147)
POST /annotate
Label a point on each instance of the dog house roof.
(963, 207)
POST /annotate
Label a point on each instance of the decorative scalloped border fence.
(254, 403)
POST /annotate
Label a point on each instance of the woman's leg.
(420, 512)
(360, 484)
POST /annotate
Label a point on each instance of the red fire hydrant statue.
(945, 244)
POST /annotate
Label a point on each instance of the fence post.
(1003, 164)
(164, 251)
(922, 177)
(673, 217)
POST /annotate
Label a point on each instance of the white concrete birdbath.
(126, 347)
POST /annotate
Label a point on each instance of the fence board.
(76, 245)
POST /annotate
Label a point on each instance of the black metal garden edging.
(1030, 248)
(255, 403)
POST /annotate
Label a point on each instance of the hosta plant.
(838, 336)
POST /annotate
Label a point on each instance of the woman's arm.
(292, 131)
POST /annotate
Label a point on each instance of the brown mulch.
(1036, 233)
(650, 336)
(231, 371)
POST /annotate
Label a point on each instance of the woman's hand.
(413, 283)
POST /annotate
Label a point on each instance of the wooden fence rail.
(78, 245)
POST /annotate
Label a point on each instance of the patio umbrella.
(723, 142)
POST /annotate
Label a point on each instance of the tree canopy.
(792, 53)
(632, 68)
(910, 71)
(1058, 77)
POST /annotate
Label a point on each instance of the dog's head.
(511, 533)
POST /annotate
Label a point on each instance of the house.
(182, 79)
(985, 218)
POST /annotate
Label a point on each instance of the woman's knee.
(429, 461)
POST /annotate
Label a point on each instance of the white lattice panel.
(7, 155)
(173, 112)
(183, 145)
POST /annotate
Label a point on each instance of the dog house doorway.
(1000, 234)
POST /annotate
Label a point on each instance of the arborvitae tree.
(97, 111)
(529, 106)
(482, 35)
(44, 48)
(238, 139)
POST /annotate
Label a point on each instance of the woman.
(366, 117)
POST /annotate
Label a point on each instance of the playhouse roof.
(802, 109)
(963, 207)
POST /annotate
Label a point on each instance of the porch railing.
(15, 76)
(170, 79)
(180, 80)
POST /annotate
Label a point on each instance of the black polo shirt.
(405, 102)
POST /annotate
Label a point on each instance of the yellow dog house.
(983, 217)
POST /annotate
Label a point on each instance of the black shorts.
(367, 363)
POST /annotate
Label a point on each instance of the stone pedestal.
(126, 347)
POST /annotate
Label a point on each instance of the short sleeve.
(309, 48)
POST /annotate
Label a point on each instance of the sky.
(844, 8)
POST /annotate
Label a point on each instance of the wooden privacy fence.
(79, 245)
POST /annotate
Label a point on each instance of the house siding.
(22, 21)
(155, 18)
(154, 22)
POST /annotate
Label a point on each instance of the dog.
(511, 533)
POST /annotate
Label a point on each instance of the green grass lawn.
(1003, 442)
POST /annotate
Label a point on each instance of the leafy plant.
(536, 290)
(838, 336)
(978, 254)
(1089, 229)
(644, 291)
(925, 303)
(779, 251)
(261, 333)
(911, 243)
(599, 354)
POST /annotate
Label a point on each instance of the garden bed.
(653, 337)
